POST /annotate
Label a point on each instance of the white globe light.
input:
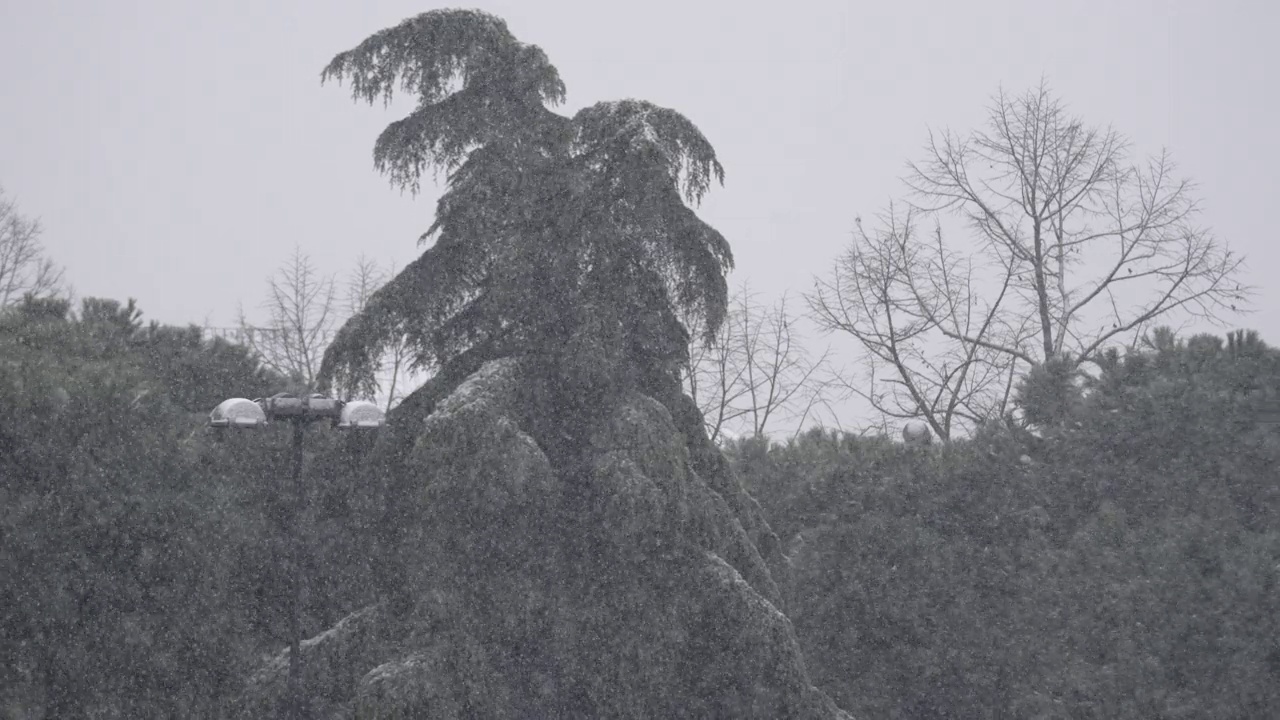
(238, 412)
(916, 433)
(361, 414)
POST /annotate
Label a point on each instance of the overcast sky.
(176, 150)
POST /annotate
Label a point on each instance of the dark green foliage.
(103, 543)
(563, 239)
(502, 81)
(196, 373)
(1125, 569)
(1050, 392)
(140, 558)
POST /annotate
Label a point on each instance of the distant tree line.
(1117, 562)
(1124, 567)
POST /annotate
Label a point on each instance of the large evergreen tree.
(563, 240)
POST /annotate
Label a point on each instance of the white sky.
(177, 150)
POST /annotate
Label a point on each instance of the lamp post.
(239, 413)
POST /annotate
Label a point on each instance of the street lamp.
(916, 434)
(242, 414)
(238, 413)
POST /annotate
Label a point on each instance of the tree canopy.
(1050, 243)
(136, 575)
(556, 236)
(1120, 563)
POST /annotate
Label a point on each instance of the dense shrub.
(141, 559)
(1117, 562)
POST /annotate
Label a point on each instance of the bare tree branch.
(301, 310)
(24, 268)
(1073, 248)
(758, 371)
(930, 350)
(394, 373)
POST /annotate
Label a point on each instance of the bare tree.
(301, 309)
(714, 379)
(24, 268)
(1071, 248)
(905, 301)
(757, 372)
(365, 279)
(395, 370)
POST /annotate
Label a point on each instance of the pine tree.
(563, 240)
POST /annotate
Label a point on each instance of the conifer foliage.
(557, 237)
